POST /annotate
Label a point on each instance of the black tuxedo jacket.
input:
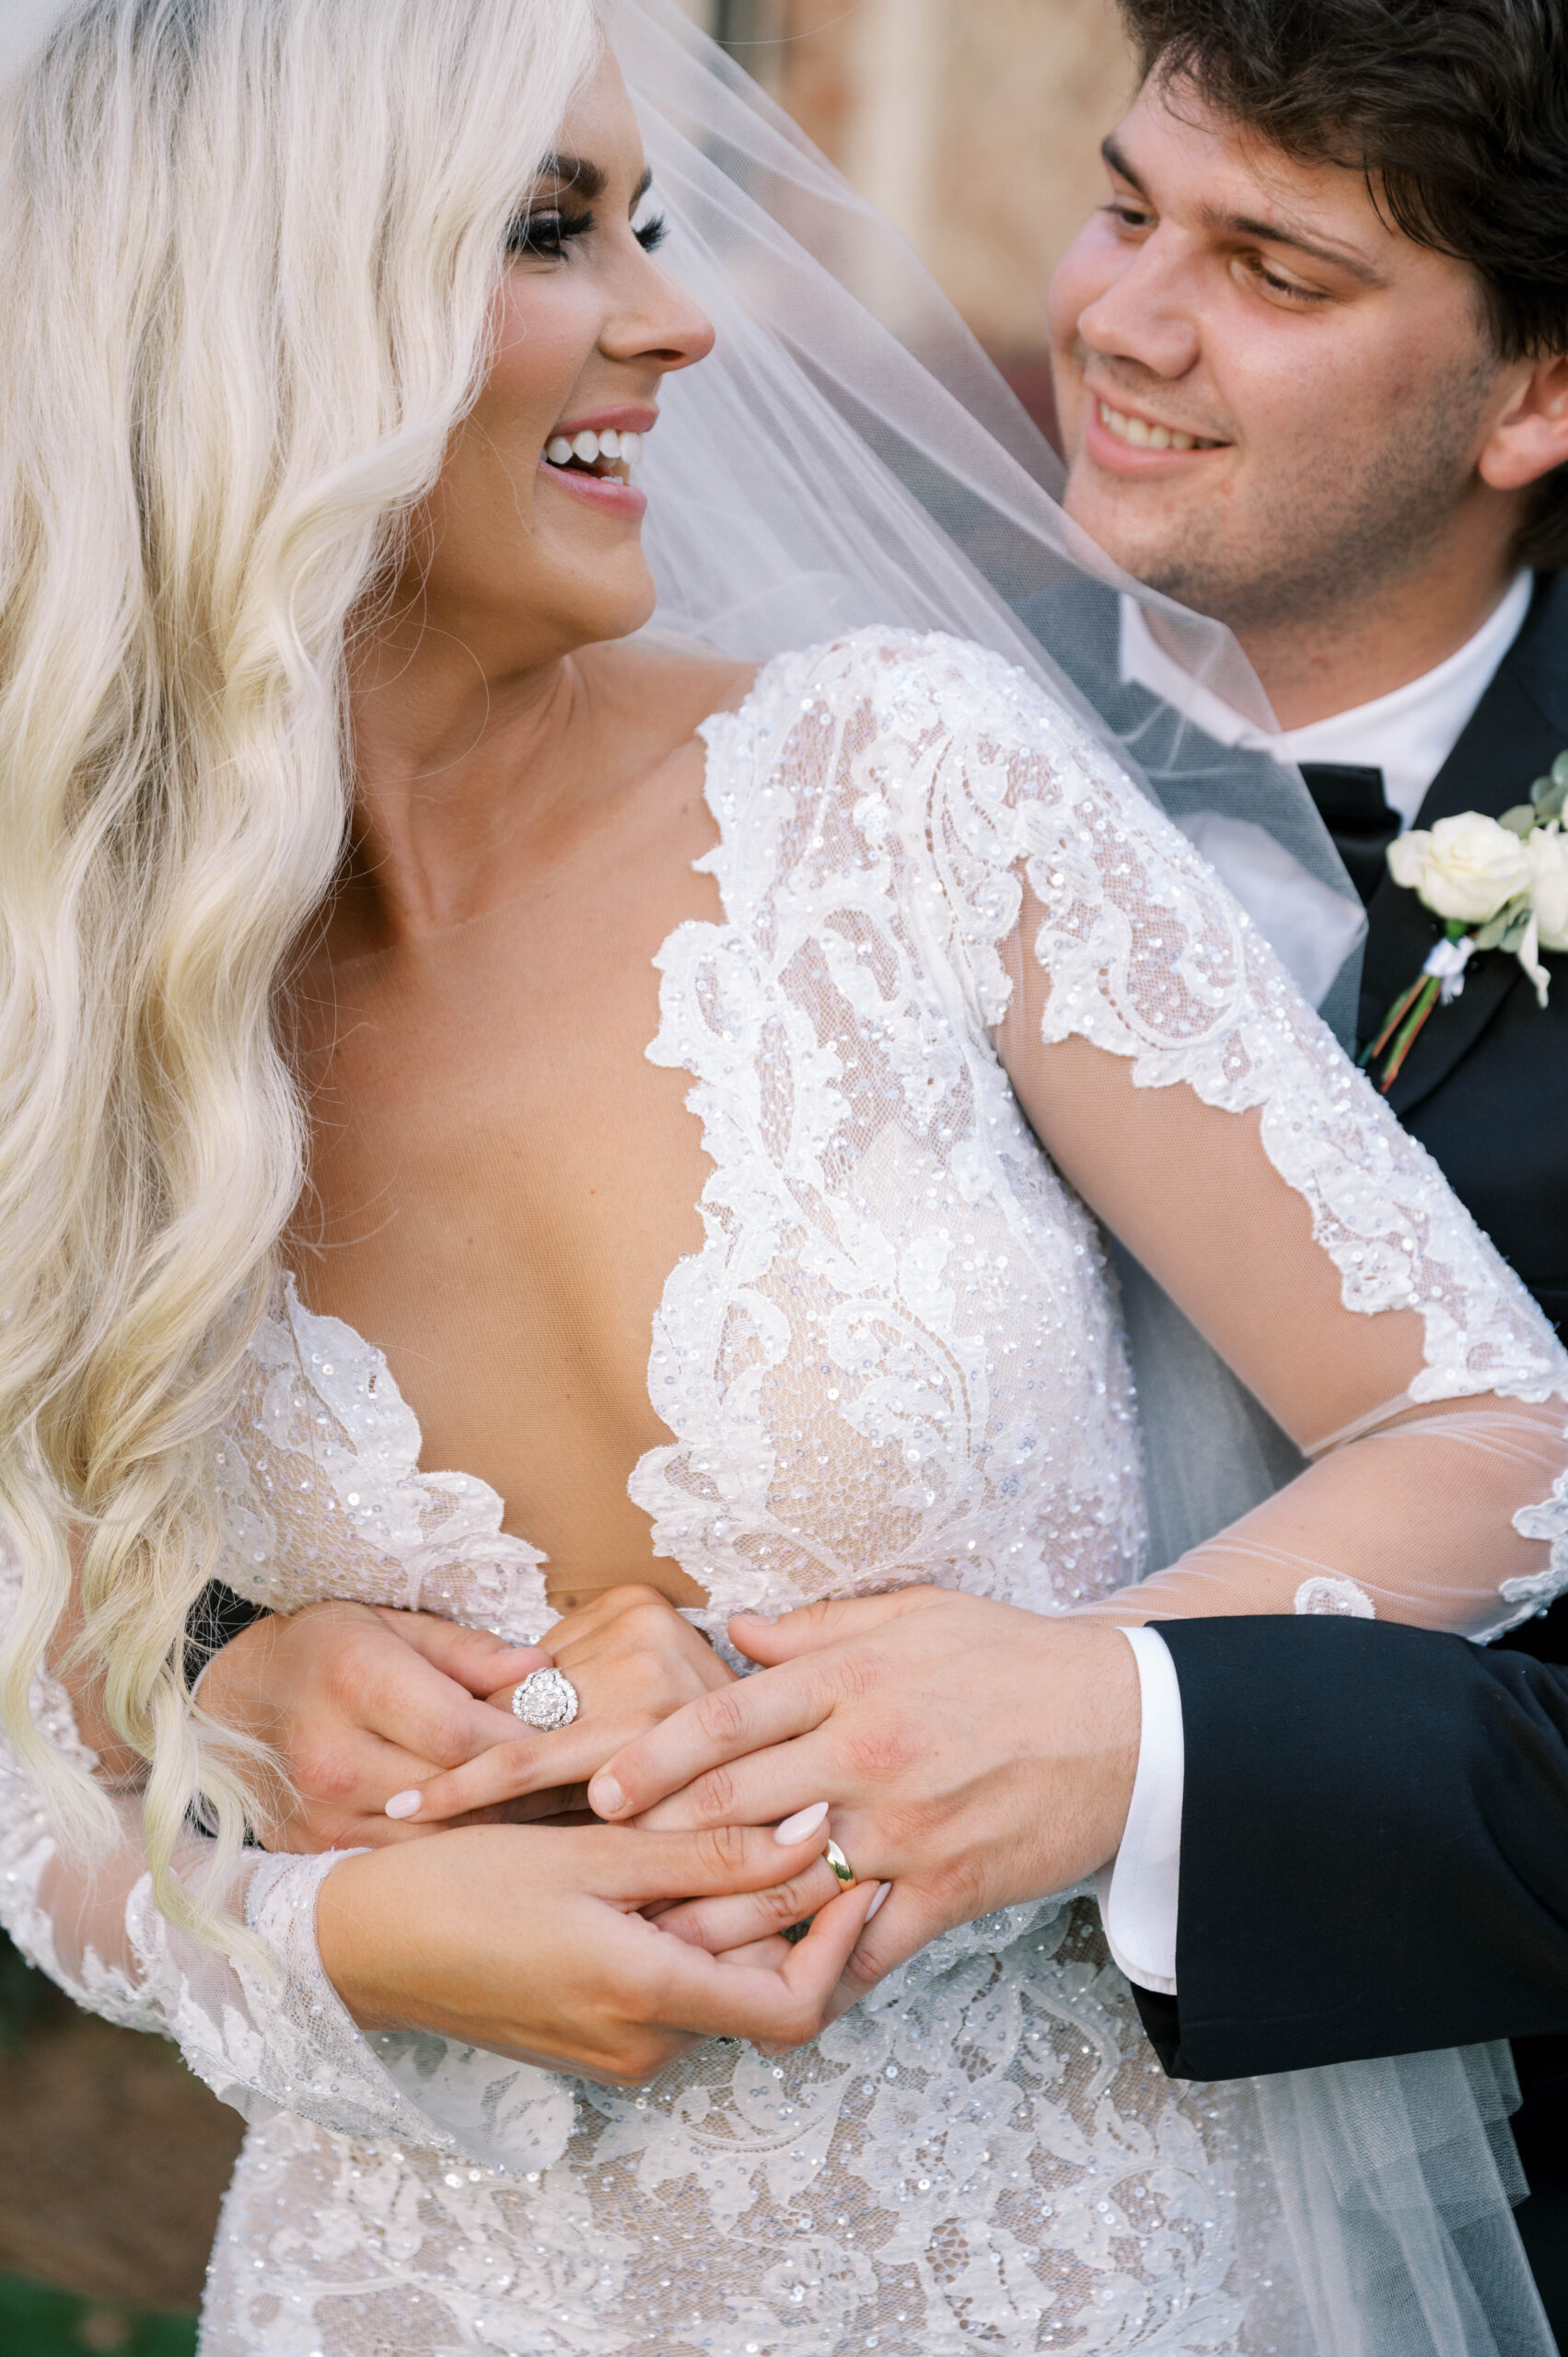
(1485, 1087)
(1373, 1846)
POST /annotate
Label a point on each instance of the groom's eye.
(1290, 289)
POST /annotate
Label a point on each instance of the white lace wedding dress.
(897, 1357)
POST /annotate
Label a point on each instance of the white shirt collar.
(1407, 735)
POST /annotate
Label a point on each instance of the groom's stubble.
(1325, 530)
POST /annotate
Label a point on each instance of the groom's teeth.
(1143, 436)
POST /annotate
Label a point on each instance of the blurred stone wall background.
(973, 124)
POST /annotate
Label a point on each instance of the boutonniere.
(1498, 884)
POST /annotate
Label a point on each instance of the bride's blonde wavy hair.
(252, 248)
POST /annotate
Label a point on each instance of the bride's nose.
(659, 326)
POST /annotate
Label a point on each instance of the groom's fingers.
(765, 1788)
(828, 1623)
(631, 1868)
(740, 1918)
(725, 1724)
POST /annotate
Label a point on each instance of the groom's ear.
(1530, 437)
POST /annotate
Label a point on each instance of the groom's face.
(1272, 401)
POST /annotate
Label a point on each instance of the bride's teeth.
(558, 450)
(631, 448)
(609, 443)
(585, 445)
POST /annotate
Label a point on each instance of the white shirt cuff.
(1140, 1888)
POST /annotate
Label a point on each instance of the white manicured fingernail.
(403, 1804)
(882, 1890)
(804, 1822)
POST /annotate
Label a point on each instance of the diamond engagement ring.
(546, 1699)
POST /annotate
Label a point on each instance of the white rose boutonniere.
(1465, 868)
(1499, 883)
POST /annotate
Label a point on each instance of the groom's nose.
(1147, 311)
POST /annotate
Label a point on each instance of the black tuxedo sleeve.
(1373, 1846)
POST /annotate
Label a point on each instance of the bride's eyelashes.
(546, 232)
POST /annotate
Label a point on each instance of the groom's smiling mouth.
(1145, 436)
(1126, 439)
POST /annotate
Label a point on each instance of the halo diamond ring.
(546, 1699)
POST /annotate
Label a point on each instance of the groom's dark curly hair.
(1455, 109)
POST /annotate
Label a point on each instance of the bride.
(355, 843)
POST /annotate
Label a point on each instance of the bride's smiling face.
(532, 542)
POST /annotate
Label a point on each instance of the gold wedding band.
(840, 1864)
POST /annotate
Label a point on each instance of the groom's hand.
(974, 1754)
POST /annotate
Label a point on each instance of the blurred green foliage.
(23, 1993)
(35, 2322)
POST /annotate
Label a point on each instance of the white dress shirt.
(1407, 735)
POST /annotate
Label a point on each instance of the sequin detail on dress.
(897, 1356)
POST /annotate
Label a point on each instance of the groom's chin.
(1145, 528)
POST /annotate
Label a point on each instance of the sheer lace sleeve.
(1174, 1075)
(268, 2033)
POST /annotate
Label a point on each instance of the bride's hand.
(355, 1702)
(633, 1660)
(526, 1940)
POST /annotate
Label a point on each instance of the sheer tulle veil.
(849, 456)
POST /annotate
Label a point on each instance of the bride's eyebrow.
(587, 180)
(577, 173)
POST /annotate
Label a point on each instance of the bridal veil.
(850, 457)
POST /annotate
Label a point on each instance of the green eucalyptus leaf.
(1489, 935)
(1516, 932)
(1560, 771)
(1548, 797)
(1523, 820)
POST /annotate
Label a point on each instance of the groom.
(1370, 363)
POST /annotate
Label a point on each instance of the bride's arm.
(1435, 1512)
(1319, 1250)
(528, 1948)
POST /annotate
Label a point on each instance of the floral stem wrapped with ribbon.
(1498, 884)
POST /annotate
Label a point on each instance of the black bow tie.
(1351, 805)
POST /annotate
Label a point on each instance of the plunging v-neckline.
(486, 1498)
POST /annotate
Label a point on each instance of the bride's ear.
(1532, 436)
